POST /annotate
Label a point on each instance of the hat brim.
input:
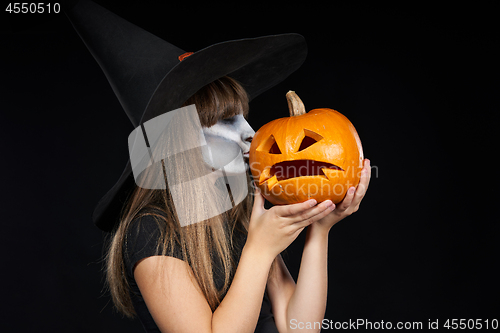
(257, 63)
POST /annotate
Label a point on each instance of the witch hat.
(151, 76)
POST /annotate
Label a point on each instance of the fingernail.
(311, 202)
(351, 190)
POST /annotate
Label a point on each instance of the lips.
(298, 168)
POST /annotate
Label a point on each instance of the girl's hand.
(351, 202)
(272, 230)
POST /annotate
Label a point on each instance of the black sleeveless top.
(141, 243)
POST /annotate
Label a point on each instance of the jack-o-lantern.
(307, 155)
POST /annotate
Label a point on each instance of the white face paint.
(228, 144)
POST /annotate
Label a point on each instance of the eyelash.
(229, 120)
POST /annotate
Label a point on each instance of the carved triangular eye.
(275, 149)
(309, 139)
(270, 146)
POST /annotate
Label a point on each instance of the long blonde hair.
(198, 242)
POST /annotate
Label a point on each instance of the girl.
(225, 273)
(172, 261)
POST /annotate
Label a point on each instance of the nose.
(247, 134)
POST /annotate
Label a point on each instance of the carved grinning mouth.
(298, 168)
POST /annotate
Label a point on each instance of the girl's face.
(228, 144)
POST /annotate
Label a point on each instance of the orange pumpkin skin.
(314, 155)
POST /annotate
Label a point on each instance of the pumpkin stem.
(295, 104)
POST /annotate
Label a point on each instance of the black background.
(420, 83)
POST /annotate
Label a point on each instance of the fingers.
(364, 181)
(366, 175)
(305, 214)
(258, 202)
(355, 195)
(294, 209)
(314, 214)
(346, 203)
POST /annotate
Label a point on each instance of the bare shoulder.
(172, 296)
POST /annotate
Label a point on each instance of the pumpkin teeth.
(271, 182)
(266, 173)
(331, 173)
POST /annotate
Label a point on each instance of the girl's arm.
(174, 299)
(177, 304)
(294, 306)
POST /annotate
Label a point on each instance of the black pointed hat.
(151, 76)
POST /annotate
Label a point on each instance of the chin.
(236, 166)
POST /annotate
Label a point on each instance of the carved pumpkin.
(307, 155)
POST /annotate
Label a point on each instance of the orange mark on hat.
(185, 55)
